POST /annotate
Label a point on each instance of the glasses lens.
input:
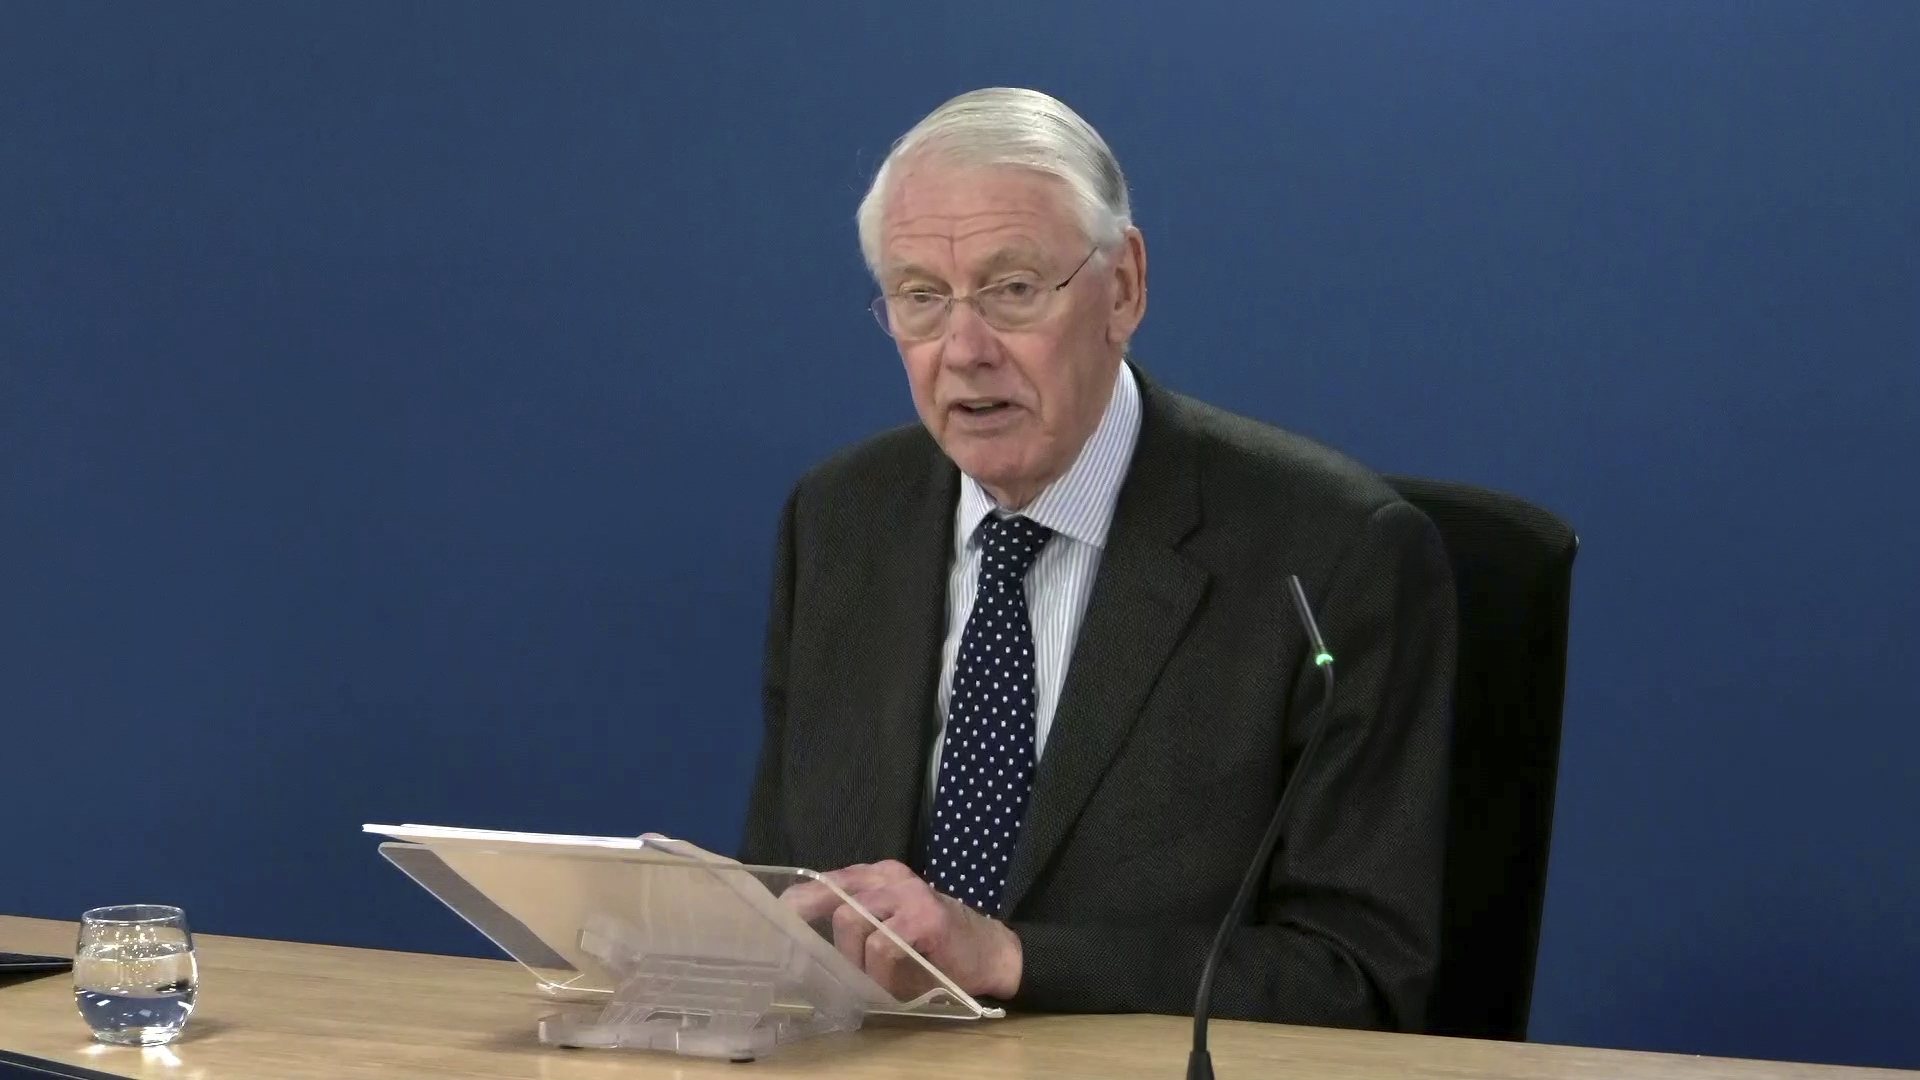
(916, 314)
(1014, 304)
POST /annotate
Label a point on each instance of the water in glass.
(134, 974)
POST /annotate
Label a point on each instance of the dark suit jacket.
(1187, 701)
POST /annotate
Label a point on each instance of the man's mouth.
(983, 406)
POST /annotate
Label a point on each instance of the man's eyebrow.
(1019, 257)
(894, 270)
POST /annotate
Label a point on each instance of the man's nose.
(969, 340)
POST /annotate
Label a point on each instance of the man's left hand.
(981, 955)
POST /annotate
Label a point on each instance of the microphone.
(1199, 1062)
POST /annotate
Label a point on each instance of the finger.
(811, 900)
(853, 930)
(890, 965)
(871, 875)
(815, 899)
(858, 877)
(918, 915)
(885, 961)
(850, 932)
(894, 870)
(880, 957)
(912, 912)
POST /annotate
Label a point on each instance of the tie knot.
(1009, 545)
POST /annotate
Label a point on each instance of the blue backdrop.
(396, 401)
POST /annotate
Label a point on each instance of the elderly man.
(1034, 683)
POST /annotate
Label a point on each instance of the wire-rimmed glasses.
(1016, 303)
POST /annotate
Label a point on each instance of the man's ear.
(1129, 288)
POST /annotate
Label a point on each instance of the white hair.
(1006, 126)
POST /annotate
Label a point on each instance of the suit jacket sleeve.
(1345, 930)
(766, 842)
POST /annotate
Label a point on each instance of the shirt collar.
(1080, 503)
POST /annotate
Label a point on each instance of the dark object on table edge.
(13, 963)
(14, 1066)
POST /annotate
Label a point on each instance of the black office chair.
(1513, 570)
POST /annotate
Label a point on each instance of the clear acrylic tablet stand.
(651, 944)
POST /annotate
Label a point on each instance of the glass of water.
(134, 975)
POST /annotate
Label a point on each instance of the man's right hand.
(981, 955)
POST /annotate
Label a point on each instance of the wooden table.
(274, 1010)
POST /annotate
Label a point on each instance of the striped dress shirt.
(1078, 507)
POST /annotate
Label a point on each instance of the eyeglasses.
(1017, 303)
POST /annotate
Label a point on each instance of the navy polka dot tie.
(987, 761)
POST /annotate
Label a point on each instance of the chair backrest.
(1513, 570)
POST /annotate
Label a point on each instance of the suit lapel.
(898, 660)
(1143, 597)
